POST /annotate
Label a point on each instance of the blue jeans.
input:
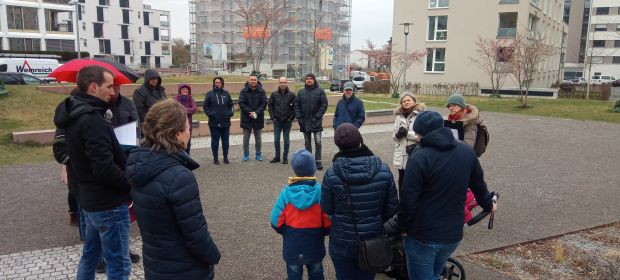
(317, 144)
(347, 269)
(107, 233)
(427, 261)
(218, 133)
(296, 272)
(285, 128)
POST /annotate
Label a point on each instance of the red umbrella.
(68, 71)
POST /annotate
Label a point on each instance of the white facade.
(124, 30)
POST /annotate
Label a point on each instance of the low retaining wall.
(549, 93)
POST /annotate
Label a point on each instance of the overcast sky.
(372, 19)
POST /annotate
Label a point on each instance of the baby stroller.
(453, 269)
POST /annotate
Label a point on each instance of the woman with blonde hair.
(175, 236)
(403, 134)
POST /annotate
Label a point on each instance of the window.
(60, 21)
(104, 46)
(436, 60)
(30, 80)
(97, 30)
(145, 62)
(59, 45)
(99, 13)
(22, 18)
(147, 48)
(21, 44)
(157, 62)
(165, 35)
(602, 11)
(127, 46)
(432, 4)
(507, 25)
(598, 43)
(600, 27)
(126, 16)
(120, 59)
(164, 22)
(438, 28)
(615, 60)
(155, 34)
(597, 60)
(104, 2)
(146, 18)
(165, 48)
(618, 27)
(124, 3)
(124, 31)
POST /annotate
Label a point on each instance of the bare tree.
(399, 62)
(263, 20)
(315, 48)
(528, 51)
(589, 61)
(492, 57)
(380, 56)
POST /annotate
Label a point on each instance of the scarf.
(184, 98)
(361, 151)
(292, 180)
(458, 115)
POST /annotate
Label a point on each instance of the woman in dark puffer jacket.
(373, 198)
(175, 236)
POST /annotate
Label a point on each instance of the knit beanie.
(457, 99)
(303, 163)
(347, 137)
(426, 122)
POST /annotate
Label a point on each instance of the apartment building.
(214, 22)
(126, 30)
(593, 38)
(447, 29)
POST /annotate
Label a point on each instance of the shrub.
(377, 87)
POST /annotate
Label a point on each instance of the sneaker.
(100, 267)
(275, 159)
(73, 219)
(135, 258)
(319, 166)
(216, 162)
(284, 161)
(259, 156)
(226, 161)
(246, 157)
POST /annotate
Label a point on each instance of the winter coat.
(298, 217)
(253, 101)
(471, 120)
(176, 243)
(434, 188)
(350, 111)
(282, 105)
(400, 145)
(145, 97)
(310, 106)
(97, 161)
(373, 198)
(187, 102)
(59, 148)
(218, 106)
(123, 111)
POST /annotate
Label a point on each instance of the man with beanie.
(433, 199)
(359, 194)
(297, 216)
(310, 106)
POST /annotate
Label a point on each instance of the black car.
(615, 83)
(337, 85)
(16, 78)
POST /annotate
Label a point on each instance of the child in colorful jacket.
(298, 217)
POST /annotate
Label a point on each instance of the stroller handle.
(484, 214)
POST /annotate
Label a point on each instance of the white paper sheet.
(126, 134)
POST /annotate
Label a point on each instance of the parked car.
(578, 81)
(15, 78)
(602, 79)
(337, 85)
(615, 83)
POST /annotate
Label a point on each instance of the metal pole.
(406, 63)
(77, 29)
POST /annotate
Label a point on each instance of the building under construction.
(218, 40)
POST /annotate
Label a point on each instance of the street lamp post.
(77, 27)
(406, 57)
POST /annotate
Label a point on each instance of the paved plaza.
(554, 175)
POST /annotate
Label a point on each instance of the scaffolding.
(289, 52)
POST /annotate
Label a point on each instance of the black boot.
(284, 160)
(275, 159)
(319, 166)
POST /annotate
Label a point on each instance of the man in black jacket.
(310, 106)
(149, 93)
(282, 113)
(218, 106)
(252, 102)
(97, 164)
(432, 202)
(123, 110)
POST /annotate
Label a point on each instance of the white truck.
(38, 67)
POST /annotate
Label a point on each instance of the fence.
(445, 89)
(597, 92)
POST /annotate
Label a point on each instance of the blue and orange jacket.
(298, 217)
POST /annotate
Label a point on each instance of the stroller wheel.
(453, 270)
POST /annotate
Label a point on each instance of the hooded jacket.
(373, 198)
(175, 236)
(298, 217)
(123, 111)
(97, 161)
(282, 105)
(218, 106)
(310, 106)
(471, 120)
(187, 102)
(400, 145)
(253, 101)
(350, 110)
(434, 186)
(144, 97)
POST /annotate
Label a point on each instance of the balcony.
(506, 32)
(165, 52)
(164, 23)
(165, 38)
(509, 1)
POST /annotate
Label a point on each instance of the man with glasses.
(282, 113)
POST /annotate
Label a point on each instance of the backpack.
(482, 139)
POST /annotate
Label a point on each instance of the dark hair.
(91, 74)
(218, 78)
(162, 123)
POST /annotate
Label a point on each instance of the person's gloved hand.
(402, 132)
(391, 226)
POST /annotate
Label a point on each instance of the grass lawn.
(26, 108)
